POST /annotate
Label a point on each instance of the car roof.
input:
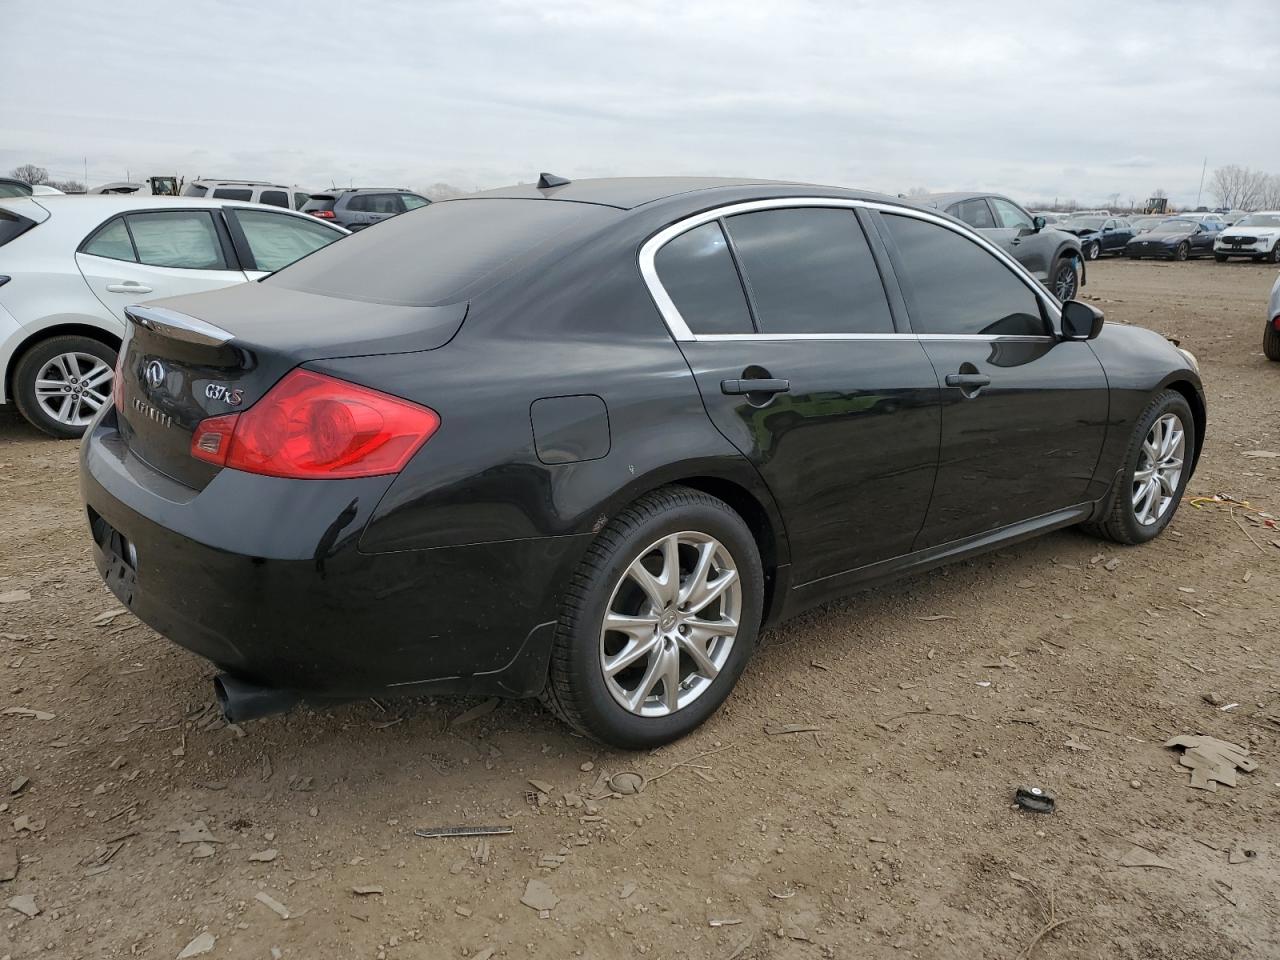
(625, 193)
(337, 191)
(95, 208)
(955, 196)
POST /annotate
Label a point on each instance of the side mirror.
(1080, 321)
(1038, 223)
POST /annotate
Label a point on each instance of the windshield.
(1083, 223)
(1175, 226)
(1259, 220)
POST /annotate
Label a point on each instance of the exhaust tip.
(241, 700)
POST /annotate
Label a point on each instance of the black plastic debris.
(1034, 799)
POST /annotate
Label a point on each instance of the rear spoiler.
(178, 326)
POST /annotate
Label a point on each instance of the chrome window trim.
(178, 326)
(680, 330)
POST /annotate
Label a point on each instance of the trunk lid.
(189, 358)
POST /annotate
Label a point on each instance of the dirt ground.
(887, 832)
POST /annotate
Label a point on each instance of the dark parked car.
(1098, 235)
(362, 207)
(1054, 258)
(583, 441)
(1177, 238)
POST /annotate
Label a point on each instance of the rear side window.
(412, 201)
(195, 190)
(13, 225)
(274, 198)
(444, 253)
(277, 240)
(975, 213)
(232, 193)
(697, 271)
(953, 286)
(300, 200)
(177, 238)
(810, 270)
(111, 241)
(375, 203)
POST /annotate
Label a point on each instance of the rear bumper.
(263, 577)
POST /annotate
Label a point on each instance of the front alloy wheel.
(1183, 251)
(1160, 461)
(1066, 280)
(1093, 251)
(658, 621)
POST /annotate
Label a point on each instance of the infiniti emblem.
(155, 373)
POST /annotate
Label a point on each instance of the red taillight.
(311, 426)
(325, 214)
(1275, 321)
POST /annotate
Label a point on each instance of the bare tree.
(1269, 198)
(30, 173)
(1239, 188)
(443, 191)
(68, 186)
(1113, 202)
(915, 192)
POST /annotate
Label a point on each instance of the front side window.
(274, 198)
(955, 287)
(232, 193)
(975, 213)
(810, 270)
(698, 273)
(111, 241)
(177, 238)
(277, 240)
(1011, 216)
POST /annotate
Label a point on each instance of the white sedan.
(70, 265)
(1255, 235)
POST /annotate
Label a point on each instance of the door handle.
(967, 380)
(1015, 241)
(129, 286)
(735, 388)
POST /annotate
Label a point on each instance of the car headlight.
(1190, 358)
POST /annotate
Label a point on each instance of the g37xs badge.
(229, 395)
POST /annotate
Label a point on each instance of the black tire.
(33, 360)
(1183, 251)
(1064, 279)
(1120, 522)
(576, 690)
(1092, 251)
(1271, 341)
(1275, 253)
(1220, 257)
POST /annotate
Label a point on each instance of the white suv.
(70, 265)
(248, 191)
(1255, 235)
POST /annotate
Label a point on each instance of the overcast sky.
(1074, 99)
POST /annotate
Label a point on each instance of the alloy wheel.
(72, 387)
(1094, 250)
(1155, 481)
(1064, 282)
(670, 624)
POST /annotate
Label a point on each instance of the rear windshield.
(13, 225)
(444, 252)
(319, 201)
(10, 188)
(232, 193)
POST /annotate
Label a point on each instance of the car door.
(267, 241)
(784, 320)
(1018, 235)
(1206, 233)
(1121, 233)
(1023, 413)
(150, 254)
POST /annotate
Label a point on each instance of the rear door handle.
(967, 380)
(129, 286)
(735, 388)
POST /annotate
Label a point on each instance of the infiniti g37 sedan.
(583, 440)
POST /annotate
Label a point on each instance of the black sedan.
(1177, 238)
(584, 440)
(1098, 235)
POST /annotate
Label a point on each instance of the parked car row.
(70, 266)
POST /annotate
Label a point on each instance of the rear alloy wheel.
(1066, 279)
(1271, 341)
(1157, 465)
(61, 383)
(658, 622)
(1275, 253)
(1183, 251)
